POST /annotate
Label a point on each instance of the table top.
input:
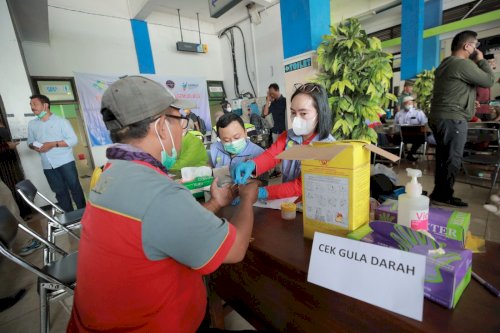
(270, 288)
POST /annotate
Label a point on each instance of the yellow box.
(335, 185)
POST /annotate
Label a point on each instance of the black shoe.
(453, 202)
(411, 158)
(8, 302)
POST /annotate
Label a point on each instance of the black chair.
(482, 149)
(394, 145)
(56, 280)
(414, 135)
(59, 222)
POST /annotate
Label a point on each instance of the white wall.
(96, 37)
(164, 33)
(268, 49)
(15, 91)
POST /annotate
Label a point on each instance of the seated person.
(234, 145)
(193, 152)
(146, 242)
(312, 122)
(410, 116)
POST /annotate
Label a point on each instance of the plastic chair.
(59, 222)
(483, 148)
(56, 280)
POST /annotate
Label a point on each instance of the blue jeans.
(63, 180)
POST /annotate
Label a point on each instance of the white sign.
(385, 277)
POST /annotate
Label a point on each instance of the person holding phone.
(453, 105)
(276, 108)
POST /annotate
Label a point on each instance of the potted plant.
(357, 74)
(423, 87)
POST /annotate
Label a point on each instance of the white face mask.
(303, 127)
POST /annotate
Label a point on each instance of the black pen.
(485, 284)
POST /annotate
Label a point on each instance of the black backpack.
(203, 126)
(380, 184)
(257, 121)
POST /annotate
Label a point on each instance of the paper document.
(37, 144)
(273, 204)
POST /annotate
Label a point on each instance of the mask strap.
(156, 131)
(171, 137)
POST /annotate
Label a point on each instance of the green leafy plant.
(357, 74)
(423, 87)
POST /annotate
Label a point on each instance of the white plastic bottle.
(413, 207)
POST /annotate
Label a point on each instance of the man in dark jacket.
(452, 106)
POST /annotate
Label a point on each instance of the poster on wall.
(90, 88)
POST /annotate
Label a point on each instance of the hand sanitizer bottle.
(413, 207)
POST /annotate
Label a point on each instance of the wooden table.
(269, 288)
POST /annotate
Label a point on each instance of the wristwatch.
(57, 144)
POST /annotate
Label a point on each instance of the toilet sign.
(385, 277)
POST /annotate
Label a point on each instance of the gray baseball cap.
(134, 98)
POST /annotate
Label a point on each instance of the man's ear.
(160, 127)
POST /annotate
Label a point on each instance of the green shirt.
(455, 87)
(193, 153)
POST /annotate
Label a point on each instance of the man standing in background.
(453, 104)
(407, 92)
(53, 137)
(276, 106)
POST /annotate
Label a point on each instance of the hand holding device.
(242, 171)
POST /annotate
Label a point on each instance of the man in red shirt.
(146, 242)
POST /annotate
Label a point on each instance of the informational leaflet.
(327, 199)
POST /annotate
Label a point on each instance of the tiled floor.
(24, 316)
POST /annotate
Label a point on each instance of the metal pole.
(199, 31)
(472, 9)
(180, 25)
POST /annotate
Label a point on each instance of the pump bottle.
(413, 207)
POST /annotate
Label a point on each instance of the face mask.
(228, 109)
(166, 160)
(303, 127)
(41, 114)
(473, 55)
(236, 146)
(407, 107)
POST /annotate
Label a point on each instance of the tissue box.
(198, 185)
(448, 227)
(335, 184)
(446, 276)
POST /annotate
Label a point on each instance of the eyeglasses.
(476, 44)
(307, 87)
(184, 123)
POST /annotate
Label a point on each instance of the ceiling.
(32, 19)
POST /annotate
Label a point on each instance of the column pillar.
(412, 42)
(433, 17)
(143, 47)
